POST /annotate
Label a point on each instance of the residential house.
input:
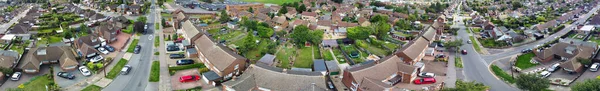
(567, 52)
(364, 22)
(122, 8)
(298, 22)
(178, 18)
(262, 17)
(546, 27)
(412, 52)
(291, 14)
(190, 32)
(263, 77)
(324, 25)
(19, 29)
(311, 17)
(595, 21)
(86, 45)
(585, 30)
(244, 6)
(340, 31)
(108, 32)
(63, 55)
(8, 59)
(381, 75)
(134, 9)
(279, 23)
(223, 63)
(112, 7)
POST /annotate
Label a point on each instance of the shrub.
(202, 70)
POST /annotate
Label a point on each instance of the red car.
(425, 81)
(189, 78)
(464, 52)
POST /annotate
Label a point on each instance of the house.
(595, 21)
(412, 52)
(279, 23)
(190, 32)
(19, 29)
(567, 52)
(262, 17)
(340, 31)
(263, 77)
(267, 59)
(364, 22)
(244, 6)
(299, 22)
(86, 45)
(122, 8)
(112, 7)
(291, 14)
(8, 59)
(134, 9)
(223, 63)
(586, 29)
(309, 16)
(178, 18)
(63, 55)
(108, 32)
(546, 27)
(324, 25)
(379, 76)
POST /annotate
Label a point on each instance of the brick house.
(223, 63)
(63, 55)
(379, 76)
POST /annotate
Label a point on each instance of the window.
(30, 70)
(236, 66)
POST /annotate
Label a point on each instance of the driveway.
(587, 75)
(187, 85)
(122, 39)
(24, 78)
(63, 82)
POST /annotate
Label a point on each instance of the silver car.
(125, 70)
(16, 76)
(594, 67)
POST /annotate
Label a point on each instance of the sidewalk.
(451, 72)
(164, 84)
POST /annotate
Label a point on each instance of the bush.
(202, 70)
(172, 70)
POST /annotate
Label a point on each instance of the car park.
(109, 48)
(594, 67)
(189, 78)
(185, 62)
(174, 56)
(103, 51)
(16, 76)
(85, 71)
(426, 74)
(125, 70)
(554, 67)
(137, 49)
(65, 75)
(429, 80)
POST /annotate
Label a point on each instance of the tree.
(381, 29)
(358, 33)
(467, 86)
(248, 43)
(265, 32)
(454, 44)
(516, 5)
(584, 61)
(301, 8)
(301, 35)
(224, 17)
(75, 1)
(532, 82)
(68, 34)
(283, 10)
(250, 10)
(587, 85)
(379, 17)
(338, 1)
(142, 19)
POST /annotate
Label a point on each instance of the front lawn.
(284, 55)
(92, 88)
(492, 43)
(502, 75)
(304, 58)
(116, 69)
(132, 45)
(475, 44)
(523, 61)
(154, 72)
(37, 83)
(272, 1)
(476, 30)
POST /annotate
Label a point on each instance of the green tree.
(283, 10)
(454, 44)
(358, 33)
(532, 82)
(224, 17)
(265, 32)
(379, 17)
(302, 34)
(248, 43)
(250, 10)
(338, 1)
(301, 8)
(584, 61)
(68, 34)
(587, 85)
(467, 86)
(381, 29)
(141, 19)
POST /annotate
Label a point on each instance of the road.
(137, 80)
(476, 66)
(516, 50)
(4, 27)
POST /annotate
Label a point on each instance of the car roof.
(428, 79)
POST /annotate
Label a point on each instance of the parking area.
(587, 75)
(176, 85)
(173, 62)
(63, 82)
(436, 67)
(24, 78)
(122, 39)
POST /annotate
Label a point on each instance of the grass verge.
(156, 41)
(523, 61)
(503, 75)
(132, 45)
(117, 69)
(156, 26)
(156, 53)
(458, 62)
(92, 88)
(475, 44)
(154, 72)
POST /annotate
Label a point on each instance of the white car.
(594, 67)
(102, 50)
(426, 74)
(545, 74)
(96, 59)
(16, 76)
(554, 67)
(85, 71)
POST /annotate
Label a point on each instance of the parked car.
(125, 70)
(65, 75)
(526, 50)
(464, 52)
(174, 56)
(429, 80)
(330, 85)
(469, 41)
(440, 56)
(554, 67)
(440, 44)
(594, 67)
(85, 71)
(16, 76)
(146, 27)
(172, 48)
(103, 51)
(96, 59)
(189, 78)
(109, 48)
(137, 49)
(545, 74)
(426, 74)
(185, 62)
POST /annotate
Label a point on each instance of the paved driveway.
(24, 78)
(187, 85)
(587, 75)
(122, 39)
(63, 82)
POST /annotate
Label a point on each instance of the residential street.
(137, 79)
(4, 27)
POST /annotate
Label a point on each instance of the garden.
(355, 54)
(304, 57)
(524, 61)
(284, 56)
(38, 83)
(92, 88)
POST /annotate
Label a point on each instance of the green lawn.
(475, 44)
(502, 75)
(213, 31)
(375, 50)
(156, 41)
(92, 88)
(458, 62)
(230, 37)
(338, 54)
(304, 58)
(55, 39)
(317, 53)
(132, 45)
(476, 30)
(523, 61)
(156, 26)
(328, 56)
(283, 56)
(155, 72)
(116, 69)
(37, 83)
(129, 29)
(349, 48)
(49, 30)
(390, 45)
(165, 15)
(272, 1)
(255, 54)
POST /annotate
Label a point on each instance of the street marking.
(150, 37)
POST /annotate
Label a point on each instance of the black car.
(526, 50)
(172, 48)
(174, 56)
(185, 62)
(109, 48)
(137, 49)
(65, 75)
